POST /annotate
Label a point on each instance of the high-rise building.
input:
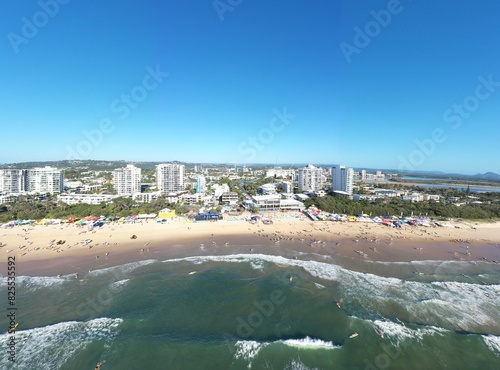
(170, 177)
(12, 181)
(363, 174)
(127, 180)
(342, 178)
(310, 178)
(200, 184)
(35, 180)
(287, 187)
(44, 180)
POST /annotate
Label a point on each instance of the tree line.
(396, 206)
(50, 208)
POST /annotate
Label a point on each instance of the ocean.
(259, 311)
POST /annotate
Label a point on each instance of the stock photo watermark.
(223, 6)
(455, 116)
(253, 144)
(31, 25)
(12, 308)
(122, 106)
(383, 359)
(363, 36)
(91, 307)
(246, 325)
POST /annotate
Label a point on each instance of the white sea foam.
(297, 365)
(37, 282)
(248, 350)
(463, 306)
(118, 284)
(310, 343)
(493, 343)
(257, 265)
(122, 269)
(397, 333)
(51, 346)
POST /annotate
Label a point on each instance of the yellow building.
(166, 213)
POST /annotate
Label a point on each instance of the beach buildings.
(75, 198)
(12, 181)
(310, 178)
(287, 187)
(45, 180)
(342, 179)
(170, 177)
(230, 197)
(127, 181)
(275, 202)
(201, 183)
(266, 189)
(34, 180)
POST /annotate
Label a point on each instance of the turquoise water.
(260, 312)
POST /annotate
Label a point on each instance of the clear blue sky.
(233, 70)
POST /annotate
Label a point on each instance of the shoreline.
(289, 235)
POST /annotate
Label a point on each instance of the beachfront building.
(76, 198)
(274, 202)
(201, 184)
(44, 180)
(170, 177)
(385, 193)
(368, 197)
(413, 197)
(192, 198)
(220, 189)
(127, 181)
(287, 187)
(146, 197)
(266, 189)
(9, 198)
(12, 181)
(310, 178)
(230, 197)
(342, 179)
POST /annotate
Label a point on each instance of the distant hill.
(93, 165)
(488, 175)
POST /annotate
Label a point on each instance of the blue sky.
(380, 84)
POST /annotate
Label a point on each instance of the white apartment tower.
(201, 183)
(310, 178)
(342, 178)
(363, 174)
(127, 180)
(35, 180)
(12, 181)
(170, 177)
(44, 180)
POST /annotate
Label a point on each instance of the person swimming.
(98, 366)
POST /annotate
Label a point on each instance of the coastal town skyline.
(59, 163)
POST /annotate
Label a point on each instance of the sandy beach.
(81, 249)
